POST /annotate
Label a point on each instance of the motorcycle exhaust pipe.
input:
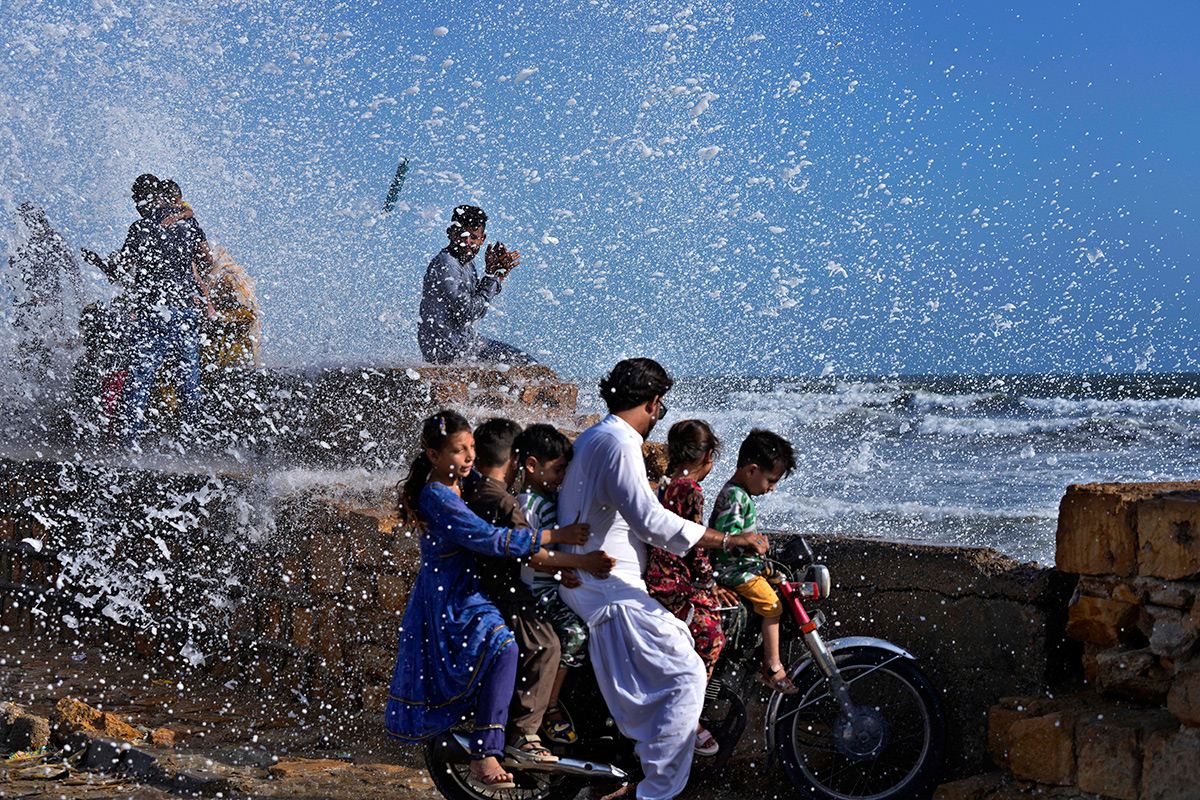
(455, 748)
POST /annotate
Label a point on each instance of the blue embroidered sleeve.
(449, 519)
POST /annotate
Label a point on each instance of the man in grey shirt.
(455, 298)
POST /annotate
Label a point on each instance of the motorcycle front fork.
(792, 593)
(829, 668)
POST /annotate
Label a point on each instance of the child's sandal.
(706, 745)
(779, 684)
(557, 726)
(530, 750)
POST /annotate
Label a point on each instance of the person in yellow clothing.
(235, 336)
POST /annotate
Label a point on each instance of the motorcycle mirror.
(797, 552)
(819, 574)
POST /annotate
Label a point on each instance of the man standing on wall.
(645, 663)
(454, 298)
(158, 264)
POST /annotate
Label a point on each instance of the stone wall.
(1133, 732)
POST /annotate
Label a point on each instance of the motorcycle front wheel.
(452, 777)
(890, 749)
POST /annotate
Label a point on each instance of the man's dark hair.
(768, 450)
(494, 441)
(146, 190)
(632, 382)
(469, 217)
(172, 190)
(544, 442)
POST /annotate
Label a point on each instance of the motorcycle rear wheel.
(903, 732)
(452, 778)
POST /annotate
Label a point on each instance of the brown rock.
(1043, 749)
(1000, 720)
(162, 737)
(1101, 621)
(72, 716)
(302, 627)
(1171, 768)
(374, 662)
(1110, 760)
(374, 699)
(290, 768)
(1169, 536)
(1176, 594)
(8, 714)
(292, 572)
(329, 638)
(327, 552)
(1136, 674)
(1183, 700)
(27, 733)
(1095, 530)
(1129, 593)
(270, 625)
(1090, 654)
(393, 592)
(977, 787)
(362, 536)
(1168, 636)
(655, 454)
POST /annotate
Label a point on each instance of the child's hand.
(568, 578)
(575, 533)
(726, 597)
(598, 563)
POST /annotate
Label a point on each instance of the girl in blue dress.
(455, 653)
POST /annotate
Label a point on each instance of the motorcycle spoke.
(898, 732)
(847, 681)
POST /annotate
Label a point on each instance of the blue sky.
(855, 187)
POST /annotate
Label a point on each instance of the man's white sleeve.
(630, 492)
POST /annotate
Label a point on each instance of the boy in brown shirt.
(500, 578)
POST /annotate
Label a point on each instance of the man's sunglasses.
(662, 409)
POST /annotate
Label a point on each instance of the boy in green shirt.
(764, 459)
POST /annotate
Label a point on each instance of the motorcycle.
(865, 723)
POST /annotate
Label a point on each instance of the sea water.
(971, 460)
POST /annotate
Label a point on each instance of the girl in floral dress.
(685, 584)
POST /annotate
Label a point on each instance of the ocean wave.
(1062, 406)
(826, 508)
(991, 426)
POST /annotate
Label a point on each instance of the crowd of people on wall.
(178, 304)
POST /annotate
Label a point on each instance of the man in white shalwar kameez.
(644, 657)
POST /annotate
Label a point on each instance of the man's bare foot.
(604, 791)
(487, 771)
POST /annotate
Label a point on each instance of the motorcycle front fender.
(799, 673)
